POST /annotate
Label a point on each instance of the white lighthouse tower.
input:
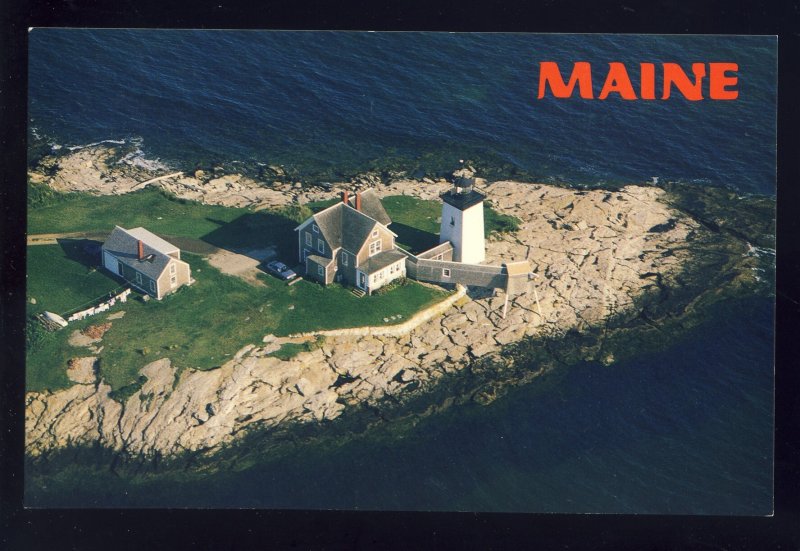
(462, 221)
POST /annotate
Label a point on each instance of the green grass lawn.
(497, 222)
(149, 207)
(415, 221)
(62, 278)
(203, 325)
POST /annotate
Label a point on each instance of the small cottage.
(146, 261)
(350, 242)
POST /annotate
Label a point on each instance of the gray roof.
(330, 224)
(356, 229)
(343, 226)
(154, 241)
(323, 260)
(371, 206)
(380, 261)
(124, 246)
(441, 248)
(465, 274)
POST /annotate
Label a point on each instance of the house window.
(320, 271)
(452, 221)
(375, 233)
(172, 268)
(152, 285)
(315, 228)
(309, 240)
(173, 281)
(321, 246)
(438, 257)
(344, 258)
(374, 247)
(446, 272)
(138, 278)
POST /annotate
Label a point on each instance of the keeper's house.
(350, 242)
(146, 261)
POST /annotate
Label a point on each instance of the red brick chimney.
(141, 250)
(358, 200)
(345, 196)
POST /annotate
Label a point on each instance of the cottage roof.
(124, 246)
(380, 261)
(371, 206)
(321, 260)
(154, 241)
(329, 222)
(356, 229)
(441, 248)
(343, 226)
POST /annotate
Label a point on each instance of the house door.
(362, 280)
(119, 268)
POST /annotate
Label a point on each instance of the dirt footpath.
(244, 265)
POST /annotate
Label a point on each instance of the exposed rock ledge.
(594, 252)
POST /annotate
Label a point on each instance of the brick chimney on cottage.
(141, 250)
(358, 201)
(345, 196)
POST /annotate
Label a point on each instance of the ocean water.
(685, 430)
(343, 100)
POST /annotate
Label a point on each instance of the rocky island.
(618, 271)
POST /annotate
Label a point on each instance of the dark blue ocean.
(684, 430)
(345, 99)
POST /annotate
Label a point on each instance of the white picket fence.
(102, 307)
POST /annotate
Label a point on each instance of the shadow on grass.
(256, 234)
(415, 239)
(83, 251)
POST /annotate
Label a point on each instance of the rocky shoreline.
(611, 264)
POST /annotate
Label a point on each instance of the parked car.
(280, 270)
